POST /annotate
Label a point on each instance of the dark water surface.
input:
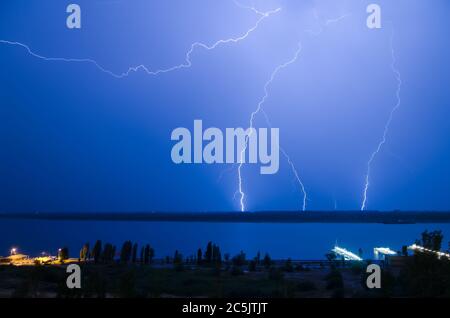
(298, 241)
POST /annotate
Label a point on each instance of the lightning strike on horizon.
(291, 164)
(255, 112)
(133, 69)
(386, 127)
(297, 178)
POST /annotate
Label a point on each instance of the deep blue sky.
(73, 138)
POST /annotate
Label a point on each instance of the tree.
(217, 256)
(135, 247)
(199, 257)
(177, 258)
(151, 254)
(258, 258)
(108, 253)
(97, 251)
(405, 250)
(267, 261)
(330, 256)
(208, 253)
(437, 238)
(148, 254)
(63, 254)
(178, 261)
(239, 259)
(84, 253)
(432, 240)
(252, 265)
(142, 254)
(113, 252)
(125, 253)
(288, 267)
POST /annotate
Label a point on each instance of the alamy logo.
(74, 279)
(374, 279)
(237, 145)
(73, 21)
(374, 19)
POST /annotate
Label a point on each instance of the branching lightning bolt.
(327, 23)
(260, 109)
(252, 117)
(386, 127)
(186, 64)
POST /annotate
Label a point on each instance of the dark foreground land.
(153, 281)
(391, 217)
(422, 270)
(422, 276)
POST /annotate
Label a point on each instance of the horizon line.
(344, 216)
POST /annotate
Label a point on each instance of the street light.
(13, 251)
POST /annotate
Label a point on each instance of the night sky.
(75, 138)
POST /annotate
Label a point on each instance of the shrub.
(236, 271)
(288, 267)
(306, 286)
(334, 280)
(252, 266)
(275, 274)
(239, 260)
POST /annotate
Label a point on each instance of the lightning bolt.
(133, 69)
(297, 178)
(386, 127)
(252, 8)
(188, 63)
(326, 24)
(291, 164)
(254, 113)
(259, 109)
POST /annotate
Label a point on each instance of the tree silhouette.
(178, 261)
(142, 255)
(125, 253)
(134, 257)
(63, 254)
(97, 251)
(108, 253)
(149, 253)
(208, 253)
(84, 253)
(258, 258)
(217, 256)
(432, 240)
(288, 267)
(199, 257)
(405, 250)
(113, 253)
(267, 261)
(239, 259)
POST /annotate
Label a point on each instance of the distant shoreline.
(395, 217)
